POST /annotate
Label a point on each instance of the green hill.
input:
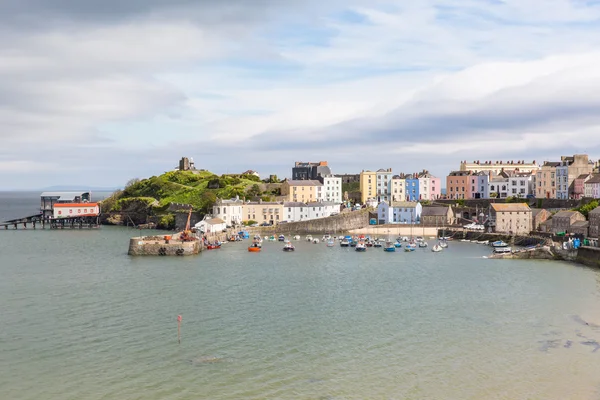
(153, 195)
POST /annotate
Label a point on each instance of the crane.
(186, 235)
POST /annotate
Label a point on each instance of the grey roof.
(321, 203)
(215, 221)
(552, 164)
(536, 211)
(304, 183)
(566, 214)
(594, 179)
(434, 211)
(404, 204)
(580, 224)
(595, 211)
(294, 204)
(63, 195)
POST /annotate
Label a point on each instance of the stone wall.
(589, 256)
(343, 222)
(181, 219)
(158, 246)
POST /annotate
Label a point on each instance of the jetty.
(60, 210)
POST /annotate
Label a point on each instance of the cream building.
(302, 191)
(545, 181)
(398, 188)
(497, 166)
(511, 218)
(230, 211)
(261, 212)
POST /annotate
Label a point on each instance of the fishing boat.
(360, 246)
(289, 246)
(330, 243)
(436, 248)
(377, 243)
(281, 238)
(344, 243)
(499, 243)
(254, 248)
(389, 246)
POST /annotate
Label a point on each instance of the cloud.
(126, 88)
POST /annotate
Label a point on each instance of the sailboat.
(389, 246)
(412, 245)
(436, 248)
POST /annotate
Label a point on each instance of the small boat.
(297, 237)
(257, 238)
(326, 237)
(483, 242)
(212, 246)
(254, 248)
(410, 247)
(344, 243)
(281, 238)
(397, 244)
(443, 244)
(330, 243)
(360, 246)
(354, 242)
(436, 248)
(309, 238)
(266, 238)
(272, 238)
(389, 246)
(316, 240)
(404, 238)
(377, 243)
(502, 250)
(464, 240)
(499, 243)
(423, 244)
(420, 238)
(288, 246)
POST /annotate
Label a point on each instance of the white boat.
(309, 238)
(423, 244)
(502, 250)
(297, 237)
(289, 246)
(436, 248)
(404, 238)
(410, 247)
(315, 240)
(464, 240)
(499, 243)
(344, 243)
(419, 238)
(326, 237)
(330, 243)
(360, 246)
(483, 242)
(443, 244)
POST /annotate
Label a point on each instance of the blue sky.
(98, 93)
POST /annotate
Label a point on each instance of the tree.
(254, 190)
(132, 182)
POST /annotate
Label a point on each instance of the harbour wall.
(529, 240)
(158, 246)
(343, 222)
(589, 256)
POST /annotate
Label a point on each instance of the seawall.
(159, 246)
(343, 222)
(589, 256)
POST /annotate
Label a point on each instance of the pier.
(38, 221)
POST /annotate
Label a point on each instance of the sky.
(96, 93)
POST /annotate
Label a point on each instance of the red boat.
(213, 246)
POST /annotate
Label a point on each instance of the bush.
(586, 208)
(248, 223)
(166, 222)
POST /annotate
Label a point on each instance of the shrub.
(166, 222)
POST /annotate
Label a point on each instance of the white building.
(401, 212)
(398, 188)
(498, 187)
(384, 184)
(230, 211)
(294, 211)
(520, 185)
(322, 209)
(208, 225)
(332, 189)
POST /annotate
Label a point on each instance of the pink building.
(579, 185)
(592, 187)
(436, 188)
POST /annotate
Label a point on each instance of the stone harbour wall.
(589, 256)
(343, 222)
(158, 246)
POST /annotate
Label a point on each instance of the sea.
(80, 319)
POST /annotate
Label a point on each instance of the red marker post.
(179, 329)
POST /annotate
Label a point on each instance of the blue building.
(412, 188)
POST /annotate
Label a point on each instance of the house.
(592, 187)
(430, 187)
(302, 190)
(398, 188)
(571, 167)
(384, 182)
(310, 170)
(511, 218)
(495, 167)
(332, 188)
(579, 185)
(539, 216)
(437, 216)
(263, 212)
(412, 188)
(580, 228)
(480, 185)
(251, 172)
(458, 184)
(594, 220)
(563, 220)
(322, 209)
(546, 226)
(545, 181)
(520, 184)
(368, 186)
(295, 211)
(231, 211)
(400, 212)
(208, 225)
(498, 187)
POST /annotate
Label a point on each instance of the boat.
(483, 242)
(420, 238)
(212, 246)
(272, 238)
(404, 238)
(309, 238)
(397, 244)
(437, 248)
(297, 237)
(316, 240)
(257, 238)
(360, 246)
(377, 243)
(281, 238)
(344, 243)
(330, 243)
(244, 234)
(369, 243)
(254, 248)
(423, 244)
(502, 250)
(389, 246)
(499, 243)
(443, 244)
(410, 247)
(354, 242)
(288, 246)
(326, 237)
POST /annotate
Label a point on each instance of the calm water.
(79, 319)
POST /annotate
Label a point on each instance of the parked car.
(265, 224)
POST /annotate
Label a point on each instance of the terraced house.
(302, 190)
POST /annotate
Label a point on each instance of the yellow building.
(398, 188)
(263, 212)
(303, 191)
(545, 181)
(514, 218)
(368, 186)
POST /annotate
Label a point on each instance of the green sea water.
(79, 319)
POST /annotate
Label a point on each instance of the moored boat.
(410, 247)
(344, 243)
(389, 246)
(502, 250)
(309, 238)
(330, 243)
(443, 244)
(281, 238)
(360, 246)
(436, 248)
(423, 244)
(289, 246)
(297, 237)
(397, 244)
(316, 240)
(499, 243)
(254, 248)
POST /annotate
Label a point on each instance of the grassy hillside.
(200, 189)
